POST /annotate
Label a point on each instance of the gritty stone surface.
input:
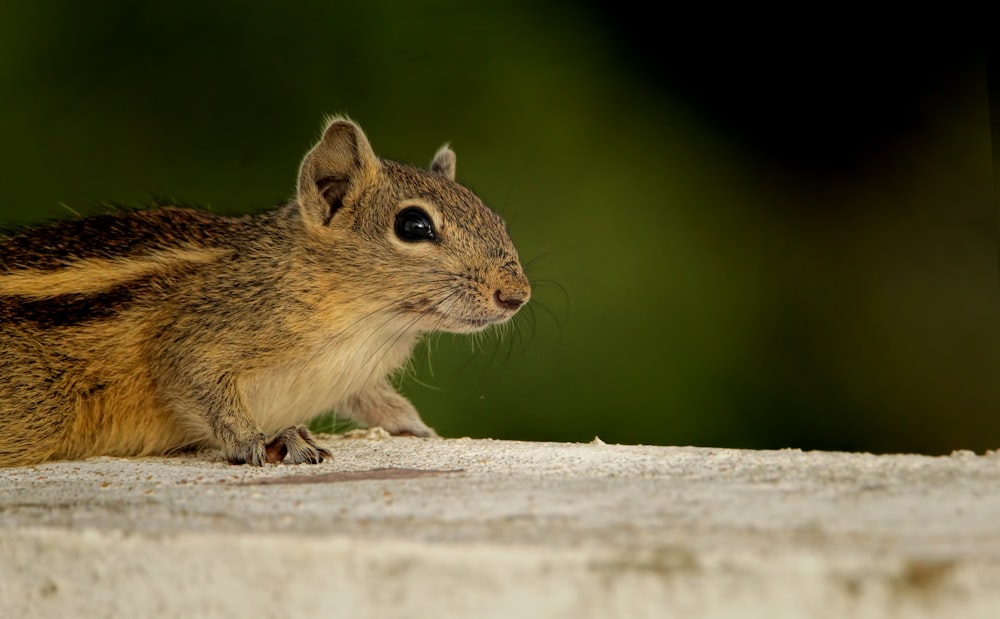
(403, 527)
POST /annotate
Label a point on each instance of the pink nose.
(508, 302)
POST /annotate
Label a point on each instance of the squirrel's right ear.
(444, 162)
(335, 171)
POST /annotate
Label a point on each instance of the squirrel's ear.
(335, 170)
(444, 162)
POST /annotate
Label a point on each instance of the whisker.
(530, 317)
(550, 313)
(391, 342)
(356, 324)
(533, 262)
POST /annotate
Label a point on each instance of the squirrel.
(154, 331)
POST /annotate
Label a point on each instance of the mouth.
(466, 324)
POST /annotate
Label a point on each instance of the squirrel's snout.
(509, 300)
(512, 287)
(512, 294)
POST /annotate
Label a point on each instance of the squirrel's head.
(411, 241)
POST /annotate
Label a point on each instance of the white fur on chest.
(321, 379)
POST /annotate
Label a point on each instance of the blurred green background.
(741, 235)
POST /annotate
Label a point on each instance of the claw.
(296, 445)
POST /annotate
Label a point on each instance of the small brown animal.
(153, 331)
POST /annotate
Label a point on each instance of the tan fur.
(95, 274)
(156, 331)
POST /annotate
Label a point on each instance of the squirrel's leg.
(221, 406)
(241, 439)
(380, 405)
(243, 442)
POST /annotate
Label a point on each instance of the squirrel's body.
(147, 332)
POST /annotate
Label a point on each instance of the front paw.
(295, 445)
(254, 452)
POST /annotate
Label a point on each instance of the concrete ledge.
(459, 528)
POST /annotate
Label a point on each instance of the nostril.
(507, 302)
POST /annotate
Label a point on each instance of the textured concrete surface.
(398, 527)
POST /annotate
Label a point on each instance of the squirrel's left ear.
(444, 162)
(335, 171)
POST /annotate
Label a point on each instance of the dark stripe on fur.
(71, 309)
(124, 234)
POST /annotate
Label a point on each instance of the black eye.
(413, 224)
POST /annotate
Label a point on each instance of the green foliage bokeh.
(679, 297)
